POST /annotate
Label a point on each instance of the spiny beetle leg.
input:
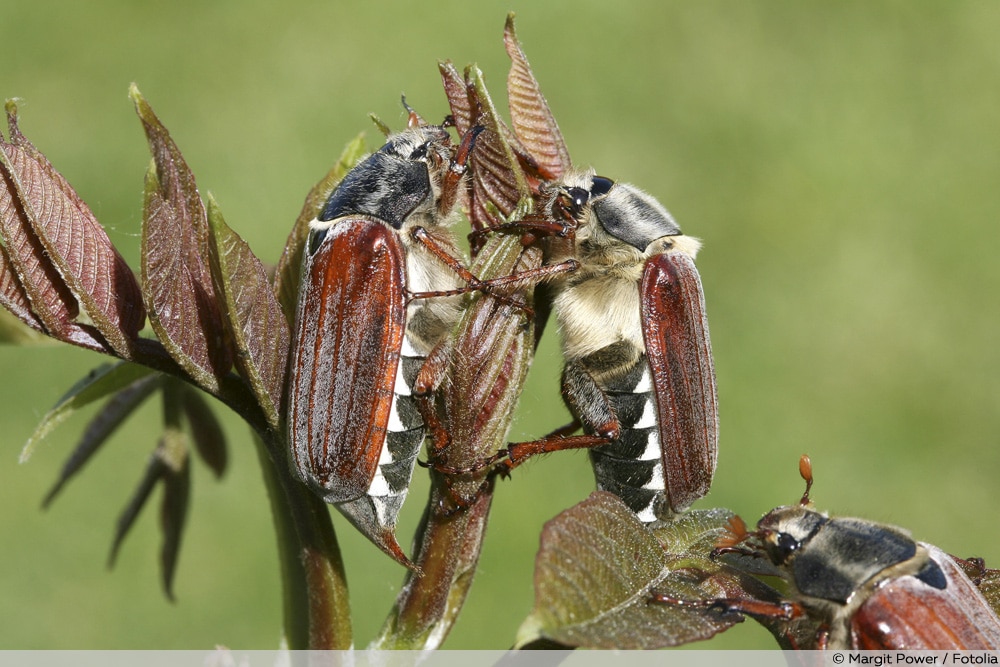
(434, 369)
(444, 254)
(453, 177)
(595, 412)
(728, 606)
(517, 280)
(519, 452)
(533, 276)
(533, 225)
(452, 471)
(504, 461)
(514, 281)
(588, 402)
(720, 606)
(474, 284)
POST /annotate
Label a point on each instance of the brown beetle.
(361, 332)
(638, 374)
(864, 585)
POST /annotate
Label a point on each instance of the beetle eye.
(600, 186)
(576, 199)
(785, 545)
(419, 152)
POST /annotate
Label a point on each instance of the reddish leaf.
(183, 309)
(254, 320)
(596, 569)
(458, 96)
(100, 428)
(286, 278)
(60, 256)
(37, 287)
(12, 295)
(99, 383)
(168, 464)
(209, 440)
(530, 115)
(498, 183)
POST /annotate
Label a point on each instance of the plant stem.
(448, 545)
(316, 604)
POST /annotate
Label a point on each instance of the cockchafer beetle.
(638, 376)
(638, 371)
(375, 254)
(863, 585)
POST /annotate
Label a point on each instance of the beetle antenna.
(414, 120)
(806, 470)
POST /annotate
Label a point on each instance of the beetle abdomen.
(631, 467)
(403, 438)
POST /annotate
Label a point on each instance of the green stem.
(448, 547)
(316, 604)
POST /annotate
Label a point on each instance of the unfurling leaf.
(183, 308)
(531, 118)
(110, 417)
(131, 385)
(99, 383)
(155, 469)
(254, 321)
(598, 565)
(286, 278)
(169, 464)
(173, 515)
(456, 90)
(12, 294)
(57, 258)
(498, 184)
(209, 440)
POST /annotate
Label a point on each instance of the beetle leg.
(590, 407)
(453, 176)
(474, 284)
(708, 605)
(445, 256)
(519, 452)
(974, 568)
(429, 378)
(588, 402)
(535, 224)
(784, 610)
(457, 502)
(822, 638)
(532, 276)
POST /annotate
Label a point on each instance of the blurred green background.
(841, 162)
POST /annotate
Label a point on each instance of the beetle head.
(610, 214)
(780, 533)
(401, 178)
